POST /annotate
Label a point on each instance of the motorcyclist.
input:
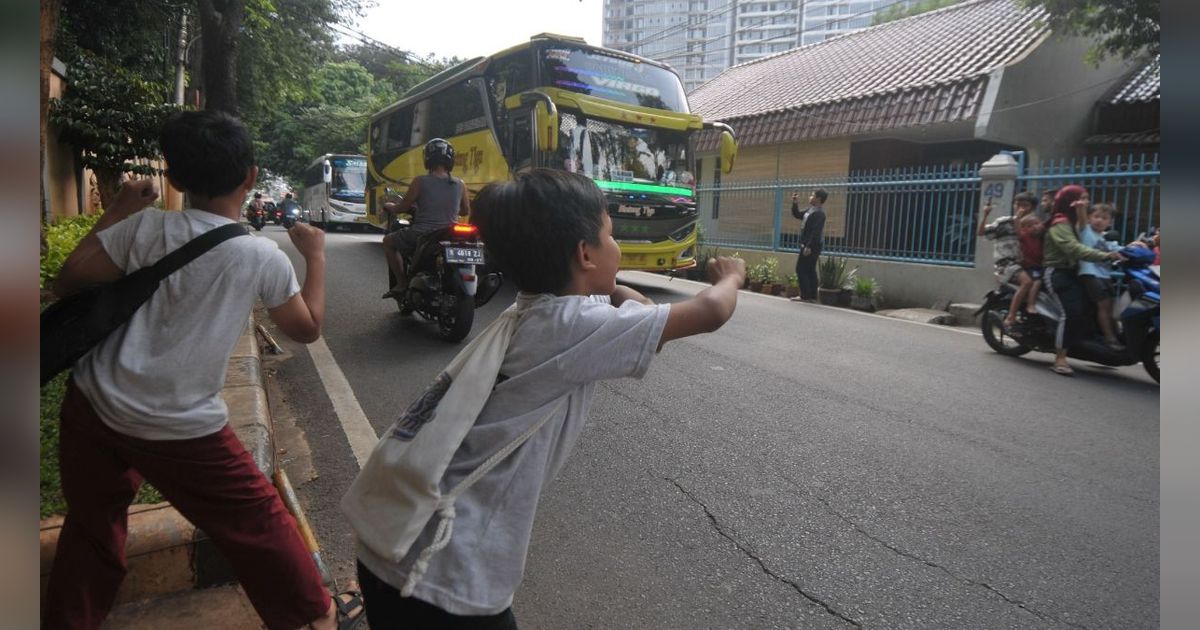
(287, 205)
(255, 206)
(437, 199)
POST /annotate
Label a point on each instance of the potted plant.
(793, 286)
(865, 294)
(770, 276)
(754, 275)
(833, 276)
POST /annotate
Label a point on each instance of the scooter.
(290, 217)
(1137, 313)
(448, 279)
(258, 218)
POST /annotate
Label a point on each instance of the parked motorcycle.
(448, 279)
(1138, 320)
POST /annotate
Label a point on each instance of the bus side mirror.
(728, 151)
(327, 172)
(546, 124)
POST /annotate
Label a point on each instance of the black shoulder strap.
(196, 247)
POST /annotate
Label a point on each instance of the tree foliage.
(1126, 28)
(111, 116)
(901, 11)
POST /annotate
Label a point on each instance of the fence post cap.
(1001, 165)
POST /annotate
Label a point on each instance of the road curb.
(165, 553)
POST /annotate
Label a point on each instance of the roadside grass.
(52, 502)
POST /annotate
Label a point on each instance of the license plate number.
(465, 255)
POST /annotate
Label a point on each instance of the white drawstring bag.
(398, 489)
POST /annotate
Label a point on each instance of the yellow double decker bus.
(557, 102)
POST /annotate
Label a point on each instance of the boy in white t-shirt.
(550, 233)
(146, 402)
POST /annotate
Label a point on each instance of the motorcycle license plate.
(465, 255)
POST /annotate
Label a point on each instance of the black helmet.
(439, 151)
(258, 195)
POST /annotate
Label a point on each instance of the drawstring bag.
(398, 489)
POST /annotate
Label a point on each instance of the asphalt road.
(803, 467)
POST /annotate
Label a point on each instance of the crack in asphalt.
(929, 563)
(762, 565)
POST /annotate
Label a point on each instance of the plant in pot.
(754, 275)
(865, 295)
(793, 286)
(700, 271)
(770, 275)
(833, 276)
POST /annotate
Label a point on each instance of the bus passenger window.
(522, 140)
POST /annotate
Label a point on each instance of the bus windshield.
(610, 77)
(349, 179)
(612, 152)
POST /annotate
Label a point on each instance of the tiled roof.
(925, 69)
(1141, 87)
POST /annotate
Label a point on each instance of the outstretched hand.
(721, 267)
(307, 239)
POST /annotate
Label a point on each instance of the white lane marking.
(354, 422)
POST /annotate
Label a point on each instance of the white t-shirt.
(159, 377)
(561, 348)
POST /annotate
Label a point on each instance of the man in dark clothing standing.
(812, 221)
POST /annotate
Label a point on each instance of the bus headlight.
(682, 233)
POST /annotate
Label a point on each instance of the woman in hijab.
(1061, 256)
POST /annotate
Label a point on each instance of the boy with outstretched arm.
(145, 403)
(549, 231)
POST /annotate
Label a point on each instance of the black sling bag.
(75, 324)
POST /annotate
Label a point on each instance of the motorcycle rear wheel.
(1150, 356)
(454, 322)
(991, 324)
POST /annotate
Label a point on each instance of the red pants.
(211, 480)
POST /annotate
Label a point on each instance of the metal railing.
(1129, 182)
(922, 214)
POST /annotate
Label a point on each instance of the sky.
(472, 28)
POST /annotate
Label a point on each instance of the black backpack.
(75, 324)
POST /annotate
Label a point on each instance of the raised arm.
(88, 263)
(710, 308)
(983, 217)
(300, 318)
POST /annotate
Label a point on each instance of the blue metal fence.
(1130, 183)
(922, 214)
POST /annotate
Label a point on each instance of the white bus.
(334, 190)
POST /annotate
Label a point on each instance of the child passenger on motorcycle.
(550, 233)
(1095, 277)
(1005, 234)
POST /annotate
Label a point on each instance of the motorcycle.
(274, 212)
(1138, 320)
(291, 216)
(448, 279)
(257, 217)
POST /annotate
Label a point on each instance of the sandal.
(1065, 370)
(350, 613)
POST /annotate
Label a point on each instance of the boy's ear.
(251, 178)
(583, 256)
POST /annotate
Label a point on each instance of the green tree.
(111, 116)
(901, 11)
(1126, 28)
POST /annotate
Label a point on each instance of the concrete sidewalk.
(166, 555)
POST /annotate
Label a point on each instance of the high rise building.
(701, 38)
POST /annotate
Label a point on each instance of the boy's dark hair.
(1026, 197)
(1053, 192)
(821, 194)
(207, 152)
(533, 225)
